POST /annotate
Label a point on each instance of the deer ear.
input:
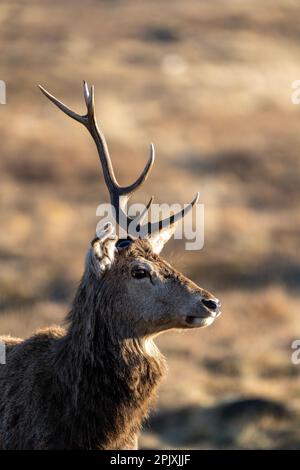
(158, 240)
(104, 248)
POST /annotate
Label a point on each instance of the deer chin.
(199, 322)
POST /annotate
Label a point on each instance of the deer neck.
(114, 377)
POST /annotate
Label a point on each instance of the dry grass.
(210, 84)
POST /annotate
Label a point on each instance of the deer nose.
(212, 304)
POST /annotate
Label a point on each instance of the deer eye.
(139, 273)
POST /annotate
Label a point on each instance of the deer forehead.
(152, 266)
(139, 254)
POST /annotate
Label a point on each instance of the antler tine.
(87, 93)
(89, 98)
(99, 139)
(62, 106)
(141, 217)
(181, 214)
(169, 221)
(143, 176)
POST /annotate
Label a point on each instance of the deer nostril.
(211, 304)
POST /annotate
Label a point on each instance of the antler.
(119, 195)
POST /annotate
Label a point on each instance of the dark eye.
(139, 273)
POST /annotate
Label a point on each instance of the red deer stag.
(91, 385)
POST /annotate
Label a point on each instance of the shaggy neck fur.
(113, 376)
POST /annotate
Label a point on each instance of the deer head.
(145, 294)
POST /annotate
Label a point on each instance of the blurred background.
(210, 84)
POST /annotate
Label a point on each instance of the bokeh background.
(210, 84)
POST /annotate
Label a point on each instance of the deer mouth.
(198, 322)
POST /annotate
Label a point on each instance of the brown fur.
(91, 386)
